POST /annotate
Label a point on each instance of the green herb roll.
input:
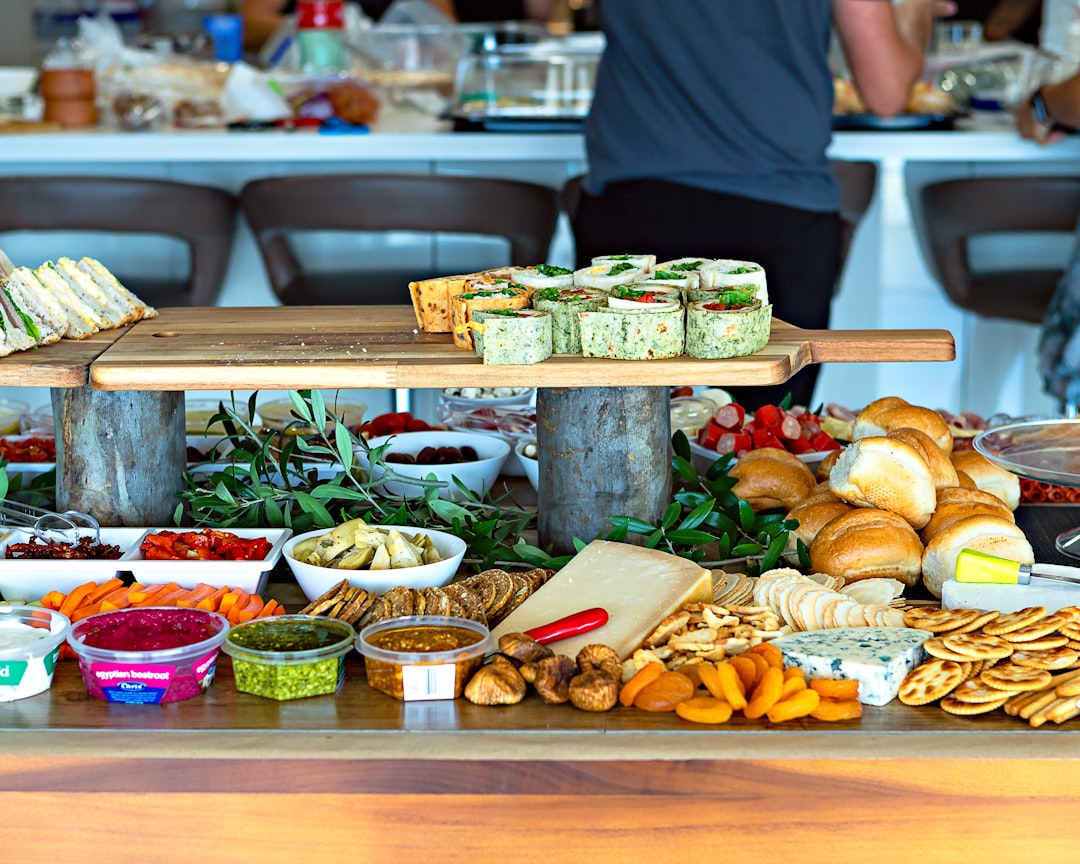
(480, 295)
(512, 336)
(716, 329)
(629, 334)
(729, 273)
(564, 304)
(605, 276)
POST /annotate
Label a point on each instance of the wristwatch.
(1038, 109)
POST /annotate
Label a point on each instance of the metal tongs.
(66, 527)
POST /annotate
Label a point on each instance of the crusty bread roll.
(988, 477)
(769, 477)
(963, 480)
(812, 516)
(991, 534)
(886, 473)
(941, 469)
(882, 416)
(964, 495)
(952, 512)
(866, 544)
(825, 465)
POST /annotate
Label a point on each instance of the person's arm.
(1061, 103)
(261, 19)
(1007, 17)
(885, 47)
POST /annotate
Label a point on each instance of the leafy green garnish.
(552, 270)
(620, 268)
(688, 265)
(667, 274)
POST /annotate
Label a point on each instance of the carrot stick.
(85, 610)
(76, 597)
(105, 588)
(52, 600)
(268, 609)
(228, 601)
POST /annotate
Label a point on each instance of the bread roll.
(769, 477)
(812, 516)
(882, 417)
(941, 468)
(991, 534)
(988, 477)
(825, 465)
(962, 479)
(866, 544)
(952, 512)
(886, 473)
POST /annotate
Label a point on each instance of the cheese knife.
(972, 566)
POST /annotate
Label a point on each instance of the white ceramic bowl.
(16, 80)
(315, 581)
(478, 476)
(529, 465)
(467, 403)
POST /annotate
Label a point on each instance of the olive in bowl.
(477, 475)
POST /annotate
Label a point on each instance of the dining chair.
(203, 218)
(279, 209)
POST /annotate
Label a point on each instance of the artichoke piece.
(355, 558)
(301, 551)
(402, 552)
(381, 560)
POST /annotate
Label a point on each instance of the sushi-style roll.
(564, 304)
(512, 336)
(480, 294)
(730, 274)
(606, 276)
(629, 334)
(638, 296)
(645, 262)
(733, 326)
(542, 276)
(682, 280)
(686, 265)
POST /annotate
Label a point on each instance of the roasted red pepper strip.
(208, 545)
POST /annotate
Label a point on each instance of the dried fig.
(553, 676)
(599, 657)
(523, 648)
(498, 683)
(595, 690)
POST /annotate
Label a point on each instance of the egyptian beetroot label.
(204, 668)
(133, 683)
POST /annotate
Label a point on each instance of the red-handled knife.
(571, 625)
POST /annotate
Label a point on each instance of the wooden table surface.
(358, 776)
(63, 364)
(290, 347)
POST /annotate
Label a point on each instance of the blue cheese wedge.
(879, 658)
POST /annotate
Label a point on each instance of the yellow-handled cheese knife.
(972, 566)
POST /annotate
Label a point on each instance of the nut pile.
(703, 633)
(985, 660)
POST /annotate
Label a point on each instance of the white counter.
(886, 283)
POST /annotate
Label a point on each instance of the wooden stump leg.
(604, 451)
(120, 456)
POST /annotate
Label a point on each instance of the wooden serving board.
(288, 347)
(63, 364)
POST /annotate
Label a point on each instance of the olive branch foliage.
(275, 481)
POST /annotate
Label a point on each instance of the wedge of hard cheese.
(638, 588)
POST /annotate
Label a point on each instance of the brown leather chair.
(954, 212)
(202, 217)
(857, 180)
(524, 213)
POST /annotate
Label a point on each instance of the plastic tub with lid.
(30, 640)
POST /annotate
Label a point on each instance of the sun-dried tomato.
(209, 544)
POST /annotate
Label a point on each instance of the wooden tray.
(288, 347)
(63, 364)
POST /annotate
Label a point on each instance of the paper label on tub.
(11, 672)
(204, 668)
(131, 682)
(428, 682)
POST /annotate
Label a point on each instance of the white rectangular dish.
(31, 579)
(249, 576)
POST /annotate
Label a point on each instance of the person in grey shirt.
(709, 128)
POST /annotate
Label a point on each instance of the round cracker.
(1029, 632)
(929, 682)
(977, 646)
(976, 693)
(939, 620)
(977, 624)
(1010, 621)
(1054, 658)
(1044, 643)
(936, 648)
(966, 709)
(1007, 676)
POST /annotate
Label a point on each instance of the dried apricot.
(704, 709)
(746, 669)
(693, 672)
(644, 676)
(761, 663)
(770, 652)
(663, 694)
(766, 694)
(833, 710)
(794, 672)
(836, 688)
(724, 682)
(792, 686)
(802, 704)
